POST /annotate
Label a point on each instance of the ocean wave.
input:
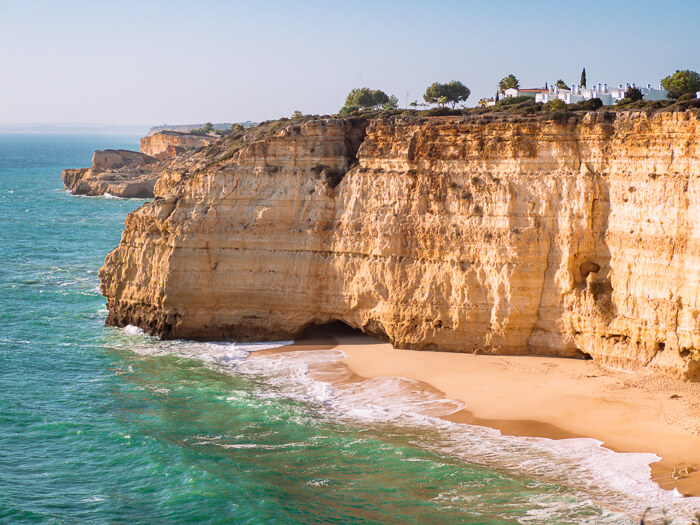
(621, 481)
(618, 481)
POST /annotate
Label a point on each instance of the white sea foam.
(93, 499)
(318, 482)
(618, 481)
(130, 329)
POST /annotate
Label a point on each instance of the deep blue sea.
(102, 425)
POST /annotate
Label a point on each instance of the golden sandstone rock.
(576, 238)
(169, 144)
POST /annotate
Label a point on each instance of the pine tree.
(583, 78)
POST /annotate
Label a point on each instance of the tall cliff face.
(576, 238)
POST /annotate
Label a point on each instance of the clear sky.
(171, 61)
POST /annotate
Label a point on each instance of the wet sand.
(541, 397)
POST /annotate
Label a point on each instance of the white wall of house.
(607, 95)
(517, 92)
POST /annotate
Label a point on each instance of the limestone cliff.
(121, 173)
(169, 144)
(573, 238)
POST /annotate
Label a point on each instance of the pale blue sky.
(170, 61)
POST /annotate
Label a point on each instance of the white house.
(697, 95)
(608, 96)
(517, 92)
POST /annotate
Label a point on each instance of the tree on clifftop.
(681, 82)
(561, 84)
(207, 128)
(583, 78)
(451, 93)
(392, 104)
(508, 82)
(365, 98)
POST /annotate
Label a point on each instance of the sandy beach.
(543, 397)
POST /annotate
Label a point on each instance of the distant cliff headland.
(188, 128)
(559, 233)
(130, 174)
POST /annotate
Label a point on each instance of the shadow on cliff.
(592, 278)
(334, 333)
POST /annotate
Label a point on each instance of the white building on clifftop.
(524, 92)
(608, 96)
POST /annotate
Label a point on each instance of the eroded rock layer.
(576, 238)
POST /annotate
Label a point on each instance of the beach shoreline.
(535, 396)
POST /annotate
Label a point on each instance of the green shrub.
(208, 127)
(634, 94)
(509, 101)
(558, 115)
(525, 106)
(443, 112)
(624, 102)
(638, 104)
(654, 104)
(349, 110)
(593, 104)
(476, 111)
(556, 105)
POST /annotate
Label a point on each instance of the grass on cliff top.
(519, 108)
(522, 109)
(527, 107)
(225, 148)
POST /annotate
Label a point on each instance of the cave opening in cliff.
(337, 331)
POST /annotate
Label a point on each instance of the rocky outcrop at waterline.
(121, 173)
(574, 237)
(124, 173)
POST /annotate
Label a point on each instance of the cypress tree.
(583, 78)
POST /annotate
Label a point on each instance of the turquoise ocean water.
(100, 425)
